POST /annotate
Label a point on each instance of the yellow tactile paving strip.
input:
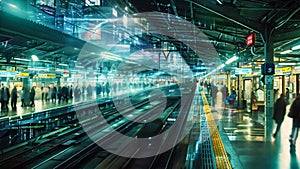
(221, 158)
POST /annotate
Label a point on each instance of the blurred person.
(71, 92)
(83, 90)
(115, 88)
(103, 89)
(53, 93)
(46, 91)
(22, 97)
(43, 93)
(32, 96)
(5, 95)
(59, 94)
(107, 88)
(275, 94)
(89, 90)
(287, 95)
(65, 93)
(279, 112)
(295, 115)
(77, 92)
(14, 97)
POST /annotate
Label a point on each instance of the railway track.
(73, 141)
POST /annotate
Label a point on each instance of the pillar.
(283, 84)
(229, 82)
(269, 82)
(240, 89)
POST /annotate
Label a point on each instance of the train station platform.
(243, 138)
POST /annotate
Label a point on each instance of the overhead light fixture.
(296, 47)
(21, 59)
(234, 58)
(286, 52)
(62, 64)
(287, 64)
(12, 5)
(34, 58)
(220, 2)
(38, 68)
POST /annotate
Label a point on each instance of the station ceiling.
(226, 23)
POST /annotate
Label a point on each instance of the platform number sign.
(268, 69)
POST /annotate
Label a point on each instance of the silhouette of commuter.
(14, 97)
(107, 88)
(71, 92)
(65, 93)
(22, 97)
(53, 93)
(43, 93)
(287, 95)
(5, 95)
(279, 112)
(59, 94)
(89, 90)
(295, 114)
(31, 96)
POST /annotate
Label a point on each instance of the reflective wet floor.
(246, 134)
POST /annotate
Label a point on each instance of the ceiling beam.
(174, 7)
(283, 36)
(32, 30)
(229, 13)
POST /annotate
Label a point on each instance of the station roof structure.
(226, 23)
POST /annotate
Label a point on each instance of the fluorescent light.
(62, 64)
(34, 58)
(286, 52)
(79, 66)
(27, 60)
(287, 64)
(234, 58)
(12, 5)
(220, 2)
(32, 68)
(296, 47)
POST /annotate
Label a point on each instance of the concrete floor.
(246, 134)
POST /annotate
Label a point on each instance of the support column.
(229, 82)
(269, 83)
(240, 89)
(283, 84)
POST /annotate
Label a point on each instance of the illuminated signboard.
(242, 71)
(251, 39)
(92, 2)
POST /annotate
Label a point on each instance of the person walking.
(287, 95)
(43, 93)
(279, 112)
(14, 97)
(53, 93)
(22, 97)
(295, 115)
(31, 96)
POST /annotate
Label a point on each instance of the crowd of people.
(54, 94)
